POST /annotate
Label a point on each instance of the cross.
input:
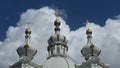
(58, 12)
(87, 24)
(28, 24)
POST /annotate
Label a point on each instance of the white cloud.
(106, 38)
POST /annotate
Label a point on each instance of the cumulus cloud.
(106, 38)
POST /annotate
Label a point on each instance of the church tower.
(57, 49)
(91, 53)
(26, 54)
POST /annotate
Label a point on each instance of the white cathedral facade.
(58, 53)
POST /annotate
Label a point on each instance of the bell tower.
(91, 53)
(26, 53)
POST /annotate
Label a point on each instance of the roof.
(59, 62)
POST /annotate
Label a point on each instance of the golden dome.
(92, 46)
(57, 22)
(89, 31)
(28, 31)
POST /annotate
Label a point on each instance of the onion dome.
(26, 50)
(90, 49)
(57, 38)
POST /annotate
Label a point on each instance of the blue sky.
(102, 13)
(76, 12)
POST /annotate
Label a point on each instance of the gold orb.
(28, 31)
(57, 22)
(92, 46)
(89, 31)
(26, 46)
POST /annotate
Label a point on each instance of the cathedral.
(58, 52)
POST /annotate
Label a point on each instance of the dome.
(30, 51)
(87, 52)
(57, 42)
(26, 50)
(57, 39)
(58, 62)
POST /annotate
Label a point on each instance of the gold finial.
(28, 30)
(92, 46)
(89, 31)
(57, 23)
(26, 45)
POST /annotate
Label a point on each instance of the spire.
(26, 49)
(90, 52)
(89, 42)
(57, 24)
(27, 37)
(89, 37)
(25, 52)
(89, 49)
(57, 42)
